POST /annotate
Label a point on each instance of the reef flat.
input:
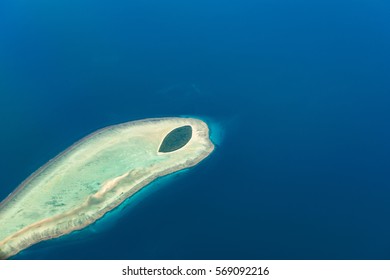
(95, 175)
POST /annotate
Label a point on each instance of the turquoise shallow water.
(299, 92)
(104, 225)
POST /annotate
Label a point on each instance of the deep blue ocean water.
(300, 91)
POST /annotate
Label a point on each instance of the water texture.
(300, 91)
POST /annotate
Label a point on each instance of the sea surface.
(297, 94)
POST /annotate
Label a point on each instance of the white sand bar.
(92, 177)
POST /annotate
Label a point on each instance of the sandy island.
(93, 176)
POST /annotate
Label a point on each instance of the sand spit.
(92, 177)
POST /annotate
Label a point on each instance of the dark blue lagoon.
(297, 94)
